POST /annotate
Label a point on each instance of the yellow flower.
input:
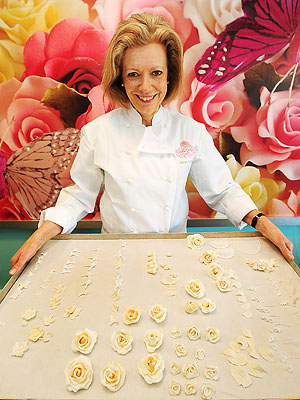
(261, 189)
(20, 19)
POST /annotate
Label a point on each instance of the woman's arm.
(271, 232)
(45, 232)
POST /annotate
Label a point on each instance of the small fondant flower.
(131, 315)
(78, 374)
(84, 341)
(151, 368)
(113, 376)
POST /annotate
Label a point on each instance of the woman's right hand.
(45, 232)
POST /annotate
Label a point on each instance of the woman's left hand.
(273, 233)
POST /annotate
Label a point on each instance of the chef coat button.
(127, 126)
(167, 209)
(169, 179)
(132, 209)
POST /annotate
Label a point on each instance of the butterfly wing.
(33, 171)
(267, 27)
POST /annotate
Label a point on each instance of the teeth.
(146, 98)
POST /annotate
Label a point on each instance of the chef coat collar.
(134, 116)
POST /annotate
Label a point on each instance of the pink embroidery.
(186, 150)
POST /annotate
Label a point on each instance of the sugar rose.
(113, 376)
(29, 314)
(190, 370)
(174, 388)
(207, 306)
(223, 284)
(175, 368)
(207, 391)
(158, 313)
(151, 368)
(36, 334)
(121, 342)
(190, 389)
(84, 341)
(153, 340)
(131, 315)
(211, 373)
(193, 333)
(208, 257)
(212, 335)
(195, 288)
(180, 350)
(195, 241)
(191, 307)
(78, 374)
(215, 271)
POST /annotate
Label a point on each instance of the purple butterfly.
(266, 28)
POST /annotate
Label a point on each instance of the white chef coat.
(143, 171)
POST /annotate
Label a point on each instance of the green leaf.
(67, 101)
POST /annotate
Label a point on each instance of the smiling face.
(145, 76)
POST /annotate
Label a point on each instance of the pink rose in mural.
(99, 105)
(216, 109)
(286, 208)
(8, 210)
(109, 17)
(272, 136)
(22, 115)
(72, 53)
(211, 16)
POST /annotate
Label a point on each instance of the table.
(263, 307)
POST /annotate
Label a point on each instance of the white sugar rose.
(207, 306)
(158, 313)
(84, 341)
(180, 350)
(195, 241)
(193, 333)
(211, 373)
(36, 334)
(207, 391)
(191, 307)
(190, 389)
(199, 354)
(121, 342)
(224, 284)
(19, 348)
(153, 340)
(208, 257)
(175, 368)
(174, 388)
(175, 333)
(215, 271)
(78, 374)
(212, 335)
(113, 376)
(190, 370)
(131, 315)
(195, 288)
(29, 314)
(151, 368)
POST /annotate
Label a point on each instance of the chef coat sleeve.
(212, 178)
(77, 200)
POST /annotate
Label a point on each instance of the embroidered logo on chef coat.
(185, 150)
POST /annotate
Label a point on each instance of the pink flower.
(216, 109)
(22, 115)
(8, 210)
(99, 105)
(272, 137)
(73, 53)
(172, 10)
(286, 208)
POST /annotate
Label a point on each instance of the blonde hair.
(140, 30)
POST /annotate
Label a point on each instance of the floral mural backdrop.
(51, 60)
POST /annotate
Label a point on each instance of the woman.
(142, 153)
